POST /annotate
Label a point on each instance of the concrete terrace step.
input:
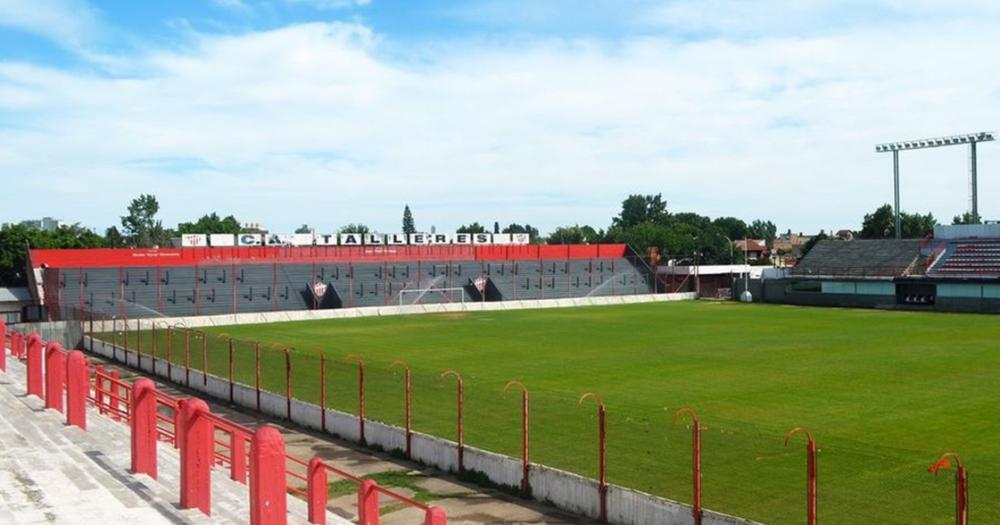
(53, 473)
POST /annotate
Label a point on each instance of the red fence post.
(114, 396)
(317, 491)
(407, 405)
(461, 419)
(961, 485)
(288, 383)
(256, 352)
(143, 423)
(77, 388)
(35, 380)
(602, 488)
(525, 486)
(55, 375)
(368, 503)
(3, 345)
(810, 473)
(238, 460)
(196, 456)
(268, 485)
(231, 370)
(696, 511)
(322, 392)
(435, 516)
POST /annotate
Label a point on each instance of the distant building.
(755, 250)
(845, 235)
(254, 227)
(47, 224)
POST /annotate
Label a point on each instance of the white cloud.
(330, 4)
(70, 23)
(312, 123)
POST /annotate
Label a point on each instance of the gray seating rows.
(142, 292)
(866, 258)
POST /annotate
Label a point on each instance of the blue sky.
(326, 112)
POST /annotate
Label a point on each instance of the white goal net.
(432, 295)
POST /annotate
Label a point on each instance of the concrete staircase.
(53, 473)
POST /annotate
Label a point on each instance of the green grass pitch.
(884, 393)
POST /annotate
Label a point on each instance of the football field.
(885, 393)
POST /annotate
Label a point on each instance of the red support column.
(268, 486)
(196, 457)
(77, 388)
(35, 379)
(143, 424)
(317, 491)
(238, 460)
(368, 503)
(55, 375)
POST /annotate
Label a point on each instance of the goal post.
(446, 295)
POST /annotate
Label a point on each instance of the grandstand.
(955, 269)
(137, 283)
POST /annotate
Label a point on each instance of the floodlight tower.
(954, 140)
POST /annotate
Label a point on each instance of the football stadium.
(627, 338)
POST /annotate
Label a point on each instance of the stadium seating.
(969, 257)
(860, 258)
(140, 292)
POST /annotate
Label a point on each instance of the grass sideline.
(884, 392)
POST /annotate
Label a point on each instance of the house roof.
(14, 294)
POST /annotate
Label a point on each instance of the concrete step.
(50, 472)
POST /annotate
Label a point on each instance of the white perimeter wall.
(374, 311)
(561, 489)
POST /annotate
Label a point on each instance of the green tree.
(637, 209)
(15, 240)
(821, 236)
(761, 229)
(141, 227)
(354, 228)
(303, 229)
(965, 218)
(211, 223)
(496, 227)
(879, 224)
(731, 227)
(471, 228)
(519, 228)
(700, 222)
(408, 225)
(915, 225)
(114, 238)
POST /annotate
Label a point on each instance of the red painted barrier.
(196, 456)
(268, 485)
(368, 503)
(55, 375)
(143, 424)
(318, 491)
(77, 388)
(3, 345)
(36, 384)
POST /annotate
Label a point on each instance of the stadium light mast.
(954, 140)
